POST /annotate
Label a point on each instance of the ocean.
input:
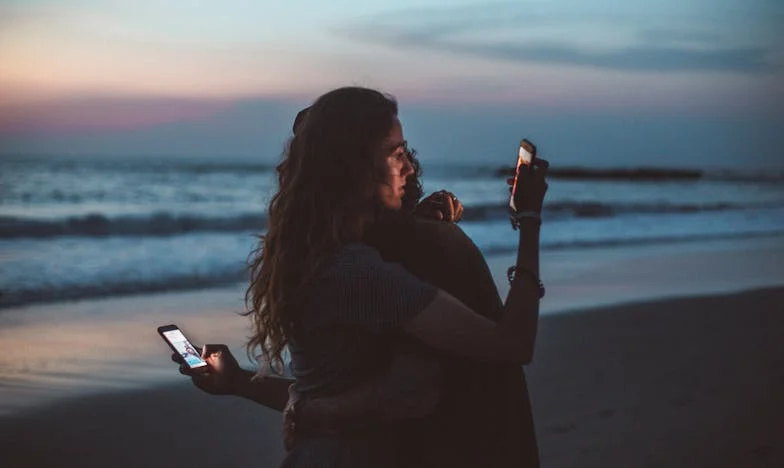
(77, 228)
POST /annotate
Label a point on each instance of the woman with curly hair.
(334, 301)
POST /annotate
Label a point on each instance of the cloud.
(640, 58)
(678, 36)
(105, 113)
(619, 40)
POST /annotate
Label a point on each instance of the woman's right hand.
(531, 186)
(441, 206)
(224, 375)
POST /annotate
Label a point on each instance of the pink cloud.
(104, 114)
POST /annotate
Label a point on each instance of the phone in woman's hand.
(176, 340)
(525, 159)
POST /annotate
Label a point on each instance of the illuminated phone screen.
(524, 158)
(185, 348)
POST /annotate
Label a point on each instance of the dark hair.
(299, 119)
(413, 188)
(328, 180)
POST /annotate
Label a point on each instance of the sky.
(607, 82)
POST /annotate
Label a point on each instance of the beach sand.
(695, 382)
(647, 356)
(687, 382)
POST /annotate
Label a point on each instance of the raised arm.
(449, 325)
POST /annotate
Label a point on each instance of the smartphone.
(525, 157)
(176, 340)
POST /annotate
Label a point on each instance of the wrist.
(525, 217)
(530, 223)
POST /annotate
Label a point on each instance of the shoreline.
(175, 381)
(53, 351)
(674, 382)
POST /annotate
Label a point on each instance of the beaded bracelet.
(511, 273)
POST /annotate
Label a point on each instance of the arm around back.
(450, 326)
(447, 324)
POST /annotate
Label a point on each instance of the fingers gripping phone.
(525, 157)
(176, 340)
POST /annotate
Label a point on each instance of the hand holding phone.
(177, 341)
(526, 154)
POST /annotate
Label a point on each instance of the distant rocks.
(641, 174)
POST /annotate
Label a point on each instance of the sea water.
(73, 228)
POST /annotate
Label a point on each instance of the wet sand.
(58, 350)
(686, 382)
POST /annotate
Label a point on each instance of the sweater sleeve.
(373, 294)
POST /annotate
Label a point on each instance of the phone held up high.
(525, 157)
(176, 340)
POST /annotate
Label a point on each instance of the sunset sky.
(696, 79)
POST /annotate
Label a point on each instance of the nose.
(407, 168)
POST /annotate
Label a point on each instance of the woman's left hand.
(224, 375)
(441, 205)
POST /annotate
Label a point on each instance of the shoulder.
(357, 253)
(359, 288)
(350, 259)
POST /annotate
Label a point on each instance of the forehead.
(396, 133)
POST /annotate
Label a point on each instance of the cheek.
(395, 169)
(384, 191)
(392, 168)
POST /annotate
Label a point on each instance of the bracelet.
(515, 218)
(511, 274)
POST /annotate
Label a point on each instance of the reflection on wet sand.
(58, 350)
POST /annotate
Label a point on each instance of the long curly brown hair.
(328, 181)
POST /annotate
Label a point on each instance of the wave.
(577, 209)
(167, 224)
(585, 244)
(234, 273)
(97, 225)
(643, 174)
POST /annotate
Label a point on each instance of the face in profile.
(397, 168)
